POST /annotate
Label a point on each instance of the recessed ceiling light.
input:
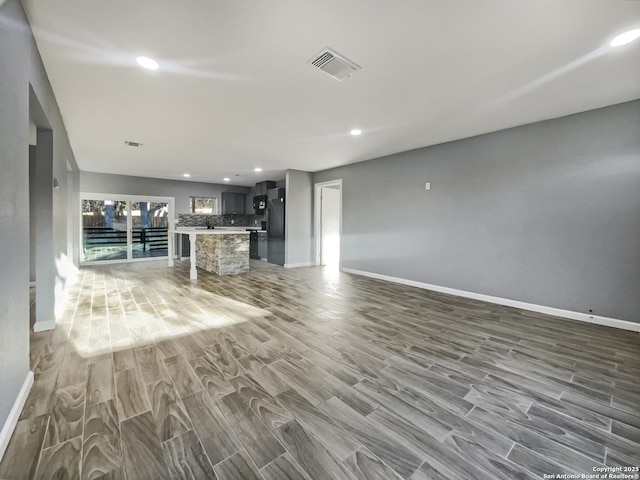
(257, 169)
(186, 174)
(226, 179)
(355, 132)
(148, 63)
(626, 37)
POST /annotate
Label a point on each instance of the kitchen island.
(223, 252)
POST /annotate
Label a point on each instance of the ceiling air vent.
(132, 144)
(334, 64)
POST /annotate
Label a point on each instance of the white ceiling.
(234, 90)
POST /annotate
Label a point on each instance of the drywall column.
(43, 208)
(298, 223)
(73, 207)
(14, 216)
(32, 213)
(71, 217)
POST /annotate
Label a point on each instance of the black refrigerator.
(275, 225)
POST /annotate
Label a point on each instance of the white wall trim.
(296, 265)
(14, 414)
(42, 326)
(558, 312)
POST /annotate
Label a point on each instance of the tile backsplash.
(190, 220)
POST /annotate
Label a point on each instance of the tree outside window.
(203, 205)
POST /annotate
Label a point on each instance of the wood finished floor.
(308, 374)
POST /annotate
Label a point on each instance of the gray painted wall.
(547, 213)
(20, 67)
(298, 218)
(128, 185)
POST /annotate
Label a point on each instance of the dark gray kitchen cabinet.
(262, 187)
(233, 203)
(262, 244)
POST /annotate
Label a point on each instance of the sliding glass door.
(121, 228)
(104, 230)
(149, 234)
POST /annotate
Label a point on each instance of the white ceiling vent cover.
(334, 64)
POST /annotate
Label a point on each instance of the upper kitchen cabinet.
(262, 187)
(233, 203)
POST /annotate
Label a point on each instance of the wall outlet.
(427, 186)
(232, 222)
(255, 222)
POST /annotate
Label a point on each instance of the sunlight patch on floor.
(123, 318)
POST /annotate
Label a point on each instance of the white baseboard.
(558, 312)
(42, 326)
(14, 414)
(296, 265)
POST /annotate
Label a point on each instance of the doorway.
(121, 228)
(328, 224)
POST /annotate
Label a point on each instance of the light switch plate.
(427, 186)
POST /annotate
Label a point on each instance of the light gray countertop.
(235, 227)
(205, 231)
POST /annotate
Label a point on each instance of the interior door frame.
(170, 201)
(317, 207)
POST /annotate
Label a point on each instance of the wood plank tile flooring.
(313, 374)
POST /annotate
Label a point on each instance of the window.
(203, 205)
